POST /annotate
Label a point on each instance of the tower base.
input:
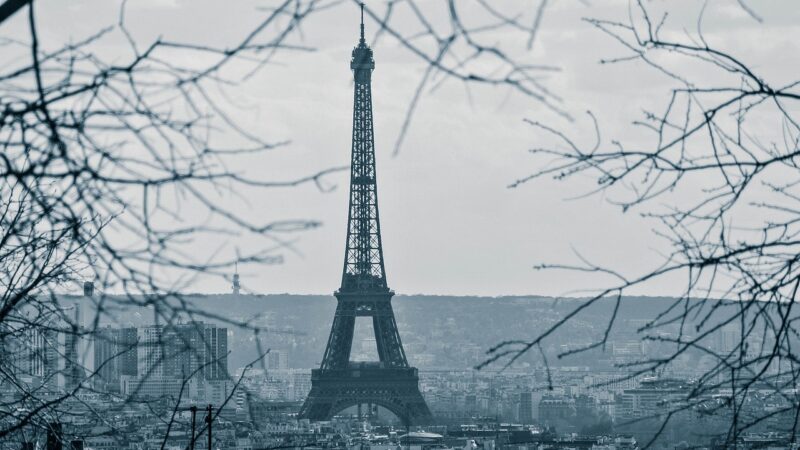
(396, 389)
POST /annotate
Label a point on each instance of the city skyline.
(614, 189)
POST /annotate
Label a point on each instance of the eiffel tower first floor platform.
(396, 389)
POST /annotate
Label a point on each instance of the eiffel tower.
(389, 382)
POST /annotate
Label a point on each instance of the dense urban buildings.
(594, 401)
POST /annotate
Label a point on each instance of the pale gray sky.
(450, 224)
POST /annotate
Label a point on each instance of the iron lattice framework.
(363, 257)
(389, 382)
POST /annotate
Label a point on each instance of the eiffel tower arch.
(389, 382)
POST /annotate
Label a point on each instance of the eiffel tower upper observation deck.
(389, 382)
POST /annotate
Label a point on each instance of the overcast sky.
(450, 223)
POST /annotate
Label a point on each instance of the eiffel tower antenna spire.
(362, 41)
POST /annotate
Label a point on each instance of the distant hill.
(437, 331)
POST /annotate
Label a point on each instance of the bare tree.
(717, 170)
(101, 158)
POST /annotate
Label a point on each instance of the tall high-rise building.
(73, 355)
(115, 355)
(150, 352)
(277, 360)
(526, 407)
(198, 350)
(75, 347)
(34, 354)
(215, 351)
(167, 355)
(127, 342)
(88, 288)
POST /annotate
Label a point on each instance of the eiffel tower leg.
(340, 341)
(387, 338)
